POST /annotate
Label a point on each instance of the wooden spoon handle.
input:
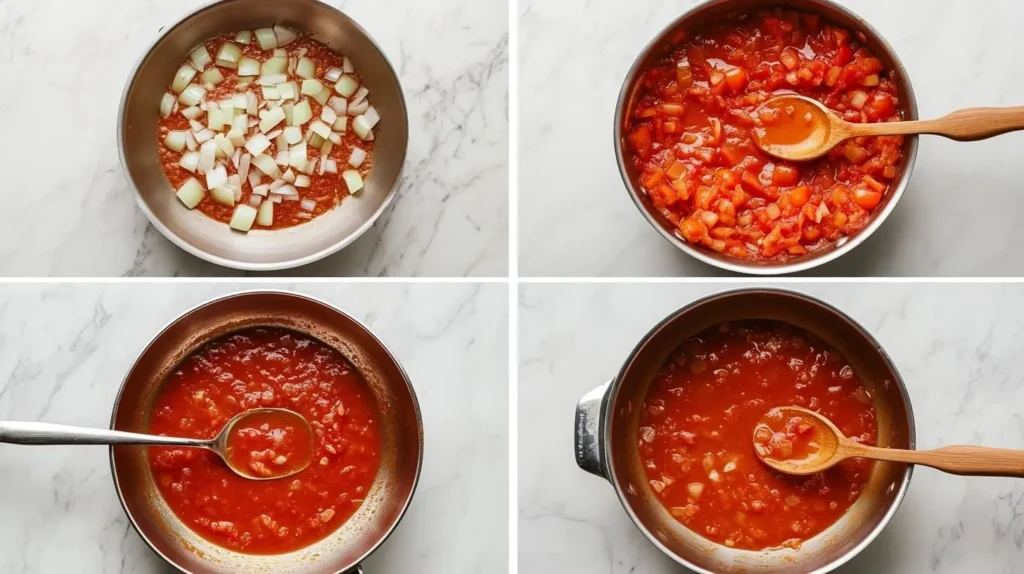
(965, 125)
(964, 460)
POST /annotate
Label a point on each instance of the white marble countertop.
(65, 348)
(959, 217)
(65, 64)
(956, 346)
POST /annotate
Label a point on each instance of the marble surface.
(576, 218)
(956, 346)
(73, 58)
(65, 348)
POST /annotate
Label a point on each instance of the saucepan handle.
(588, 431)
(357, 570)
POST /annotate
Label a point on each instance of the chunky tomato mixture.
(269, 444)
(690, 135)
(697, 424)
(266, 367)
(782, 437)
(328, 190)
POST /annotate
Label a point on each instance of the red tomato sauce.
(781, 437)
(327, 190)
(690, 134)
(697, 424)
(269, 444)
(266, 367)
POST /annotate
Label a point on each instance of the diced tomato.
(866, 198)
(785, 175)
(640, 140)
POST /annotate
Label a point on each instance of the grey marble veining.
(959, 216)
(65, 348)
(957, 347)
(65, 63)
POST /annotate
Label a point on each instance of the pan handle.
(588, 431)
(357, 570)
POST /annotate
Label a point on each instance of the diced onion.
(358, 109)
(228, 55)
(347, 66)
(297, 155)
(191, 193)
(215, 119)
(311, 87)
(236, 137)
(204, 135)
(216, 177)
(276, 184)
(372, 117)
(282, 158)
(261, 189)
(271, 93)
(357, 158)
(321, 129)
(273, 79)
(309, 168)
(196, 126)
(330, 166)
(275, 67)
(266, 38)
(287, 190)
(167, 105)
(255, 201)
(328, 115)
(235, 157)
(335, 139)
(306, 69)
(190, 141)
(266, 164)
(325, 150)
(193, 112)
(307, 204)
(212, 76)
(288, 177)
(341, 124)
(302, 113)
(192, 95)
(189, 161)
(271, 119)
(207, 155)
(284, 35)
(322, 96)
(200, 57)
(332, 75)
(248, 67)
(362, 127)
(346, 86)
(265, 214)
(223, 196)
(241, 123)
(243, 217)
(293, 134)
(302, 181)
(360, 96)
(287, 91)
(175, 141)
(244, 37)
(353, 180)
(243, 166)
(182, 77)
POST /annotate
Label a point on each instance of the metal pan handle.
(588, 431)
(357, 570)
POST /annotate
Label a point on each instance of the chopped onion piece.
(346, 86)
(266, 164)
(200, 57)
(273, 79)
(216, 177)
(357, 158)
(360, 95)
(189, 161)
(167, 104)
(243, 166)
(248, 67)
(284, 35)
(287, 91)
(310, 167)
(341, 125)
(262, 190)
(287, 191)
(228, 55)
(192, 112)
(223, 196)
(335, 139)
(265, 214)
(297, 155)
(288, 108)
(196, 126)
(236, 137)
(372, 117)
(288, 177)
(358, 109)
(241, 123)
(302, 181)
(293, 134)
(204, 135)
(305, 69)
(175, 141)
(271, 119)
(347, 66)
(321, 129)
(330, 166)
(207, 155)
(275, 67)
(328, 115)
(302, 113)
(281, 142)
(271, 93)
(191, 193)
(243, 217)
(353, 180)
(307, 204)
(212, 76)
(325, 150)
(280, 53)
(273, 198)
(266, 38)
(276, 184)
(215, 119)
(282, 158)
(190, 141)
(362, 127)
(311, 87)
(255, 201)
(293, 62)
(182, 78)
(235, 157)
(192, 95)
(332, 75)
(322, 96)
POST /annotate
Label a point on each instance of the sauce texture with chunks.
(691, 135)
(266, 367)
(701, 411)
(269, 444)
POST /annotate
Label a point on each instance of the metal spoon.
(36, 433)
(833, 448)
(813, 130)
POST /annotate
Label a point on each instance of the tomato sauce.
(266, 367)
(697, 425)
(786, 438)
(690, 135)
(269, 444)
(327, 190)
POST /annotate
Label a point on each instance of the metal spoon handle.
(25, 432)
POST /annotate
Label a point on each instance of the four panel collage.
(511, 286)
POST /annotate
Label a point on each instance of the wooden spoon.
(806, 129)
(833, 447)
